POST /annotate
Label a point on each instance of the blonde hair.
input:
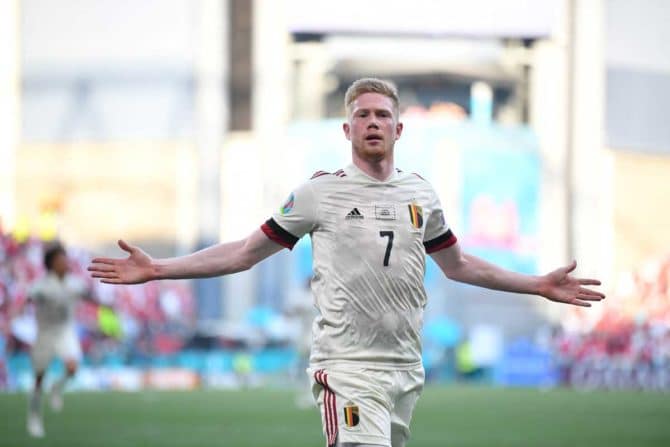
(371, 85)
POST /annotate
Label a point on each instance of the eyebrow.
(368, 109)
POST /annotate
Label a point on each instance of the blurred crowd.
(624, 342)
(129, 322)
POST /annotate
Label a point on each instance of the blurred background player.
(54, 296)
(302, 312)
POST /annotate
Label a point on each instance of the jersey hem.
(348, 364)
(359, 438)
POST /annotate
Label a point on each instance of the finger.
(101, 268)
(107, 275)
(579, 303)
(570, 267)
(590, 297)
(125, 247)
(112, 281)
(104, 261)
(589, 282)
(585, 291)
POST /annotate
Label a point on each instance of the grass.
(445, 416)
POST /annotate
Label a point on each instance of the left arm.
(557, 285)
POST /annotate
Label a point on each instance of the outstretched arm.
(557, 286)
(217, 260)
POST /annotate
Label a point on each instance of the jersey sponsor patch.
(288, 205)
(385, 212)
(415, 215)
(351, 416)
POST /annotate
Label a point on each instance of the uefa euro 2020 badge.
(351, 415)
(288, 205)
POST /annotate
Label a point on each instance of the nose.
(373, 123)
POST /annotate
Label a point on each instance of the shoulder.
(40, 283)
(323, 180)
(38, 287)
(310, 191)
(417, 183)
(412, 177)
(75, 283)
(328, 175)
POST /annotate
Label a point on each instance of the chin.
(373, 153)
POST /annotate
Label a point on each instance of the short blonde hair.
(371, 85)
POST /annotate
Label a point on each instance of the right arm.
(297, 217)
(217, 260)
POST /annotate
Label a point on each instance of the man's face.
(373, 127)
(60, 264)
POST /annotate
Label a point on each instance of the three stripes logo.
(354, 214)
(351, 415)
(415, 215)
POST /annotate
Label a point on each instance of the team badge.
(351, 415)
(288, 206)
(416, 215)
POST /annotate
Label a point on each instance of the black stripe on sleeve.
(445, 240)
(276, 233)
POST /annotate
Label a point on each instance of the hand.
(560, 287)
(135, 269)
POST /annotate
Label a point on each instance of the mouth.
(374, 139)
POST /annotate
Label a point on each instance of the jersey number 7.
(389, 245)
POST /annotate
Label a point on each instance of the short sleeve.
(294, 218)
(438, 235)
(34, 292)
(77, 286)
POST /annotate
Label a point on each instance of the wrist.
(156, 270)
(540, 286)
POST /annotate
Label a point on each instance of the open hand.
(135, 269)
(560, 287)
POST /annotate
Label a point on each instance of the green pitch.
(451, 416)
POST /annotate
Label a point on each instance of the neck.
(377, 169)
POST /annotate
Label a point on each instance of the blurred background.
(175, 124)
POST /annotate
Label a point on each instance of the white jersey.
(55, 301)
(369, 241)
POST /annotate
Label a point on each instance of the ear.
(398, 130)
(347, 130)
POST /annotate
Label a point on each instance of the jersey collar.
(354, 170)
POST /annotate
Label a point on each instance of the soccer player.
(302, 312)
(371, 226)
(54, 296)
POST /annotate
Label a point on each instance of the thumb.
(125, 247)
(570, 267)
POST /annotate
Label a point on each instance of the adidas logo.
(354, 214)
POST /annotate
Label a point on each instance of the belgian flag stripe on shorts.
(329, 407)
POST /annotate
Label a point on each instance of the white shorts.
(366, 406)
(62, 344)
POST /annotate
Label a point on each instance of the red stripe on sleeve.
(442, 245)
(269, 232)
